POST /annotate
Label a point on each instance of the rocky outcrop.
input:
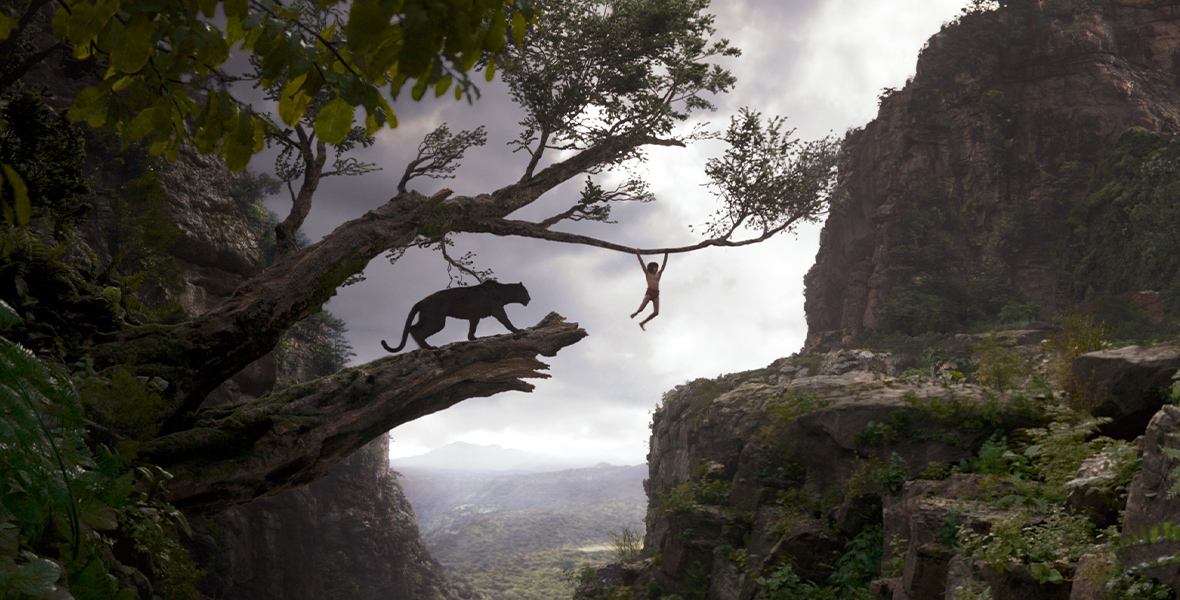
(965, 179)
(786, 464)
(823, 476)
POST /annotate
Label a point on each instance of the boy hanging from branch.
(652, 272)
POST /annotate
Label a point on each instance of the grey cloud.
(722, 310)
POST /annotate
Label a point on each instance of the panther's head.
(508, 292)
(515, 292)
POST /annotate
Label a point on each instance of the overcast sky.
(820, 63)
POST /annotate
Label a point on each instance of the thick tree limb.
(236, 453)
(510, 227)
(525, 191)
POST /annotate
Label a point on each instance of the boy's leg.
(642, 305)
(655, 310)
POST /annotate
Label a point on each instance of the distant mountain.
(475, 457)
(509, 535)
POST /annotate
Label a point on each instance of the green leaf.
(367, 22)
(20, 205)
(85, 23)
(134, 45)
(495, 39)
(7, 24)
(239, 146)
(97, 514)
(334, 121)
(236, 8)
(491, 72)
(440, 87)
(209, 7)
(519, 27)
(139, 126)
(293, 102)
(419, 89)
(36, 577)
(8, 316)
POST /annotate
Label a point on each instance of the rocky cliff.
(826, 476)
(959, 194)
(1028, 169)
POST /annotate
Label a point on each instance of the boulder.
(1127, 384)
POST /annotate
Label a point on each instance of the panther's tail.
(405, 332)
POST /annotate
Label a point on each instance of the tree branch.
(237, 453)
(524, 192)
(508, 227)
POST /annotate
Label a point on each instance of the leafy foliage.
(439, 153)
(1043, 545)
(159, 53)
(766, 179)
(942, 305)
(67, 503)
(609, 68)
(1122, 236)
(47, 153)
(1001, 367)
(1074, 335)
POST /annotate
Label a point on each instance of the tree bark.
(236, 453)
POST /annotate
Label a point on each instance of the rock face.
(967, 175)
(217, 249)
(349, 535)
(779, 482)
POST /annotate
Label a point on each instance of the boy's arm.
(637, 255)
(663, 265)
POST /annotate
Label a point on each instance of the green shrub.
(1042, 544)
(1014, 313)
(1122, 237)
(67, 500)
(1074, 335)
(1000, 367)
